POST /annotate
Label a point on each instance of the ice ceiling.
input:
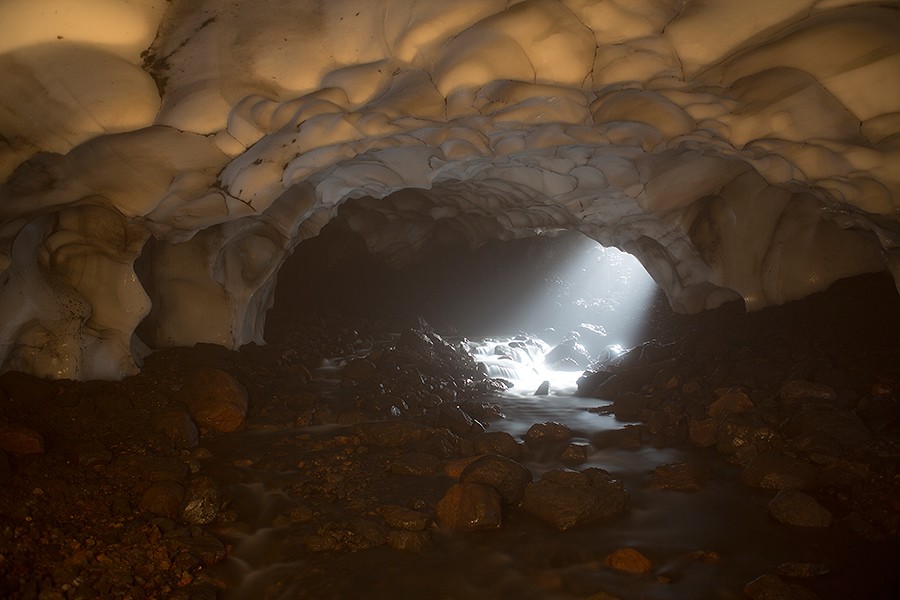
(738, 149)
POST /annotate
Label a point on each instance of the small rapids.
(706, 543)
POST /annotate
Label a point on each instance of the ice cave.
(451, 299)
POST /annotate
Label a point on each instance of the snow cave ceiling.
(738, 149)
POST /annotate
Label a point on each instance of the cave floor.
(308, 500)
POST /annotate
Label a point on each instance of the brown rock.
(399, 517)
(791, 392)
(772, 587)
(567, 499)
(796, 508)
(497, 442)
(703, 432)
(503, 474)
(629, 560)
(20, 440)
(730, 401)
(179, 428)
(469, 506)
(550, 431)
(411, 541)
(678, 476)
(162, 498)
(779, 472)
(214, 399)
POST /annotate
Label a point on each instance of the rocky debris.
(202, 501)
(409, 541)
(565, 498)
(390, 434)
(91, 454)
(628, 406)
(20, 440)
(414, 463)
(802, 570)
(779, 472)
(794, 391)
(214, 399)
(772, 587)
(628, 560)
(359, 369)
(505, 475)
(796, 508)
(349, 536)
(399, 517)
(469, 506)
(28, 388)
(678, 476)
(178, 427)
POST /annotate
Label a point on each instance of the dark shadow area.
(534, 284)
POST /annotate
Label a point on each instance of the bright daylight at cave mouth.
(470, 299)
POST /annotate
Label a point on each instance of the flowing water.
(704, 544)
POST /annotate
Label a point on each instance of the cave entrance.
(544, 285)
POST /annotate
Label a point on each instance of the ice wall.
(739, 150)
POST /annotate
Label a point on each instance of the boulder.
(779, 472)
(567, 499)
(214, 399)
(796, 508)
(20, 440)
(505, 475)
(469, 506)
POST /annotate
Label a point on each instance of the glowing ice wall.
(739, 150)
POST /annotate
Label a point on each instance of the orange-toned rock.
(214, 399)
(730, 402)
(629, 560)
(454, 468)
(469, 506)
(18, 439)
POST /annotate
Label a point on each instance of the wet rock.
(778, 472)
(454, 418)
(568, 356)
(792, 392)
(399, 517)
(205, 549)
(543, 389)
(410, 541)
(629, 560)
(202, 501)
(567, 499)
(351, 536)
(742, 437)
(359, 369)
(628, 406)
(703, 432)
(802, 570)
(20, 440)
(390, 434)
(678, 476)
(91, 454)
(730, 401)
(574, 454)
(469, 506)
(796, 508)
(826, 425)
(503, 474)
(772, 587)
(550, 431)
(163, 498)
(214, 399)
(627, 438)
(497, 442)
(414, 463)
(178, 427)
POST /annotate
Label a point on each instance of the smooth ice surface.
(739, 150)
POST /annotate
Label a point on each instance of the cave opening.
(556, 284)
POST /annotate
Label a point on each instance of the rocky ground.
(142, 488)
